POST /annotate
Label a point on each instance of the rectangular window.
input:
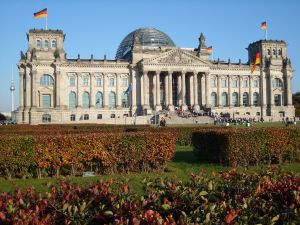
(98, 81)
(124, 82)
(245, 83)
(111, 82)
(86, 117)
(85, 81)
(72, 81)
(73, 117)
(234, 83)
(223, 83)
(256, 83)
(213, 83)
(46, 101)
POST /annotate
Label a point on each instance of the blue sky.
(97, 27)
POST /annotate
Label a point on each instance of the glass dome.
(148, 37)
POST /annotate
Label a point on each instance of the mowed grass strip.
(183, 165)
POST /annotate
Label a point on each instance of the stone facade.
(149, 78)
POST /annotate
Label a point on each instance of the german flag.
(263, 25)
(41, 14)
(256, 62)
(209, 49)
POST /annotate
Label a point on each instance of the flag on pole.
(263, 25)
(41, 14)
(209, 49)
(129, 89)
(256, 62)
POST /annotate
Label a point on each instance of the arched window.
(53, 44)
(72, 99)
(72, 117)
(235, 99)
(46, 118)
(112, 99)
(46, 80)
(125, 100)
(279, 52)
(245, 99)
(85, 100)
(277, 83)
(224, 99)
(255, 99)
(99, 100)
(46, 44)
(274, 52)
(38, 44)
(213, 99)
(277, 100)
(269, 51)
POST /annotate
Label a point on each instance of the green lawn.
(184, 163)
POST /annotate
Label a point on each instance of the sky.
(97, 27)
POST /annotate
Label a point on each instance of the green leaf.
(166, 206)
(108, 213)
(202, 193)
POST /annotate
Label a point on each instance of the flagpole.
(266, 33)
(47, 22)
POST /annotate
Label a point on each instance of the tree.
(296, 103)
(2, 117)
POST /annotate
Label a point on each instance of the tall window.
(53, 44)
(46, 100)
(85, 81)
(213, 83)
(85, 100)
(223, 83)
(256, 83)
(277, 83)
(124, 82)
(279, 52)
(255, 98)
(245, 99)
(98, 81)
(99, 101)
(46, 80)
(46, 118)
(72, 81)
(245, 83)
(72, 117)
(38, 44)
(274, 52)
(235, 99)
(213, 99)
(125, 100)
(72, 99)
(46, 44)
(112, 99)
(224, 98)
(111, 81)
(277, 100)
(86, 117)
(234, 83)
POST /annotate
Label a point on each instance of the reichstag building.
(149, 74)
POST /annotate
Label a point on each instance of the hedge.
(245, 147)
(74, 153)
(230, 197)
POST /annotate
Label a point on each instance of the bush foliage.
(245, 147)
(230, 197)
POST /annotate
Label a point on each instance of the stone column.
(229, 91)
(271, 90)
(263, 90)
(118, 96)
(250, 91)
(240, 92)
(143, 89)
(33, 87)
(157, 91)
(170, 91)
(191, 88)
(92, 94)
(183, 90)
(179, 93)
(166, 85)
(133, 93)
(289, 90)
(219, 98)
(207, 89)
(21, 88)
(28, 88)
(57, 88)
(195, 85)
(105, 95)
(78, 94)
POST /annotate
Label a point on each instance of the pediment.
(176, 57)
